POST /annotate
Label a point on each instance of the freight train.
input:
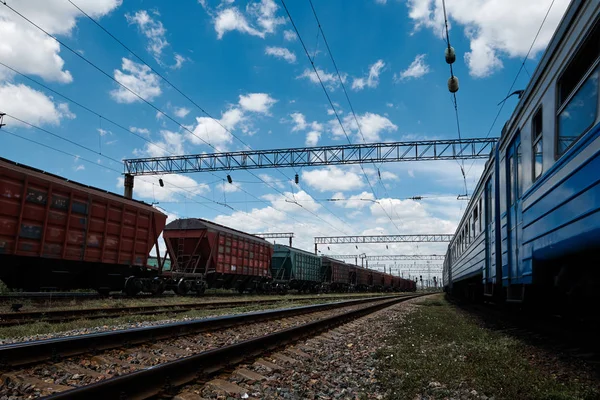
(57, 234)
(531, 231)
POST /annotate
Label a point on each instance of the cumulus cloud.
(29, 50)
(281, 52)
(289, 35)
(153, 29)
(31, 105)
(332, 179)
(170, 143)
(213, 132)
(257, 102)
(372, 80)
(177, 187)
(416, 69)
(139, 79)
(181, 112)
(371, 124)
(299, 121)
(259, 19)
(494, 28)
(300, 124)
(312, 138)
(141, 131)
(330, 80)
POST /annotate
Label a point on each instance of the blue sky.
(243, 63)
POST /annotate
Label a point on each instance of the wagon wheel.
(132, 286)
(182, 287)
(157, 287)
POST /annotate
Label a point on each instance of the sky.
(204, 76)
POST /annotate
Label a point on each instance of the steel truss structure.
(436, 237)
(276, 235)
(421, 150)
(391, 257)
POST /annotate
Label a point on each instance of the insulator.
(453, 84)
(229, 178)
(296, 179)
(450, 55)
(161, 183)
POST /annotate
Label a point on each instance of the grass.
(44, 328)
(438, 352)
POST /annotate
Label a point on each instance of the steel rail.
(168, 376)
(54, 349)
(18, 318)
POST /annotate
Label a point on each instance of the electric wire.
(332, 105)
(517, 75)
(186, 97)
(151, 104)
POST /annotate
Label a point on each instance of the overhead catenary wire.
(517, 75)
(191, 101)
(79, 55)
(331, 102)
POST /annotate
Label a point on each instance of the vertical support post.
(316, 247)
(128, 184)
(291, 242)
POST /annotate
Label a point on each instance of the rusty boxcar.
(59, 234)
(359, 278)
(336, 275)
(387, 282)
(208, 255)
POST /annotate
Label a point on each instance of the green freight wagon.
(296, 269)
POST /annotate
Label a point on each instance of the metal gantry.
(276, 235)
(419, 150)
(435, 237)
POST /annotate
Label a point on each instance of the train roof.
(283, 247)
(15, 166)
(200, 224)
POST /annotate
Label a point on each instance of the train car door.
(490, 271)
(514, 220)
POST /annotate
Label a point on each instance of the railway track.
(56, 316)
(140, 363)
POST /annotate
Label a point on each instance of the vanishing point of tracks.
(145, 362)
(55, 316)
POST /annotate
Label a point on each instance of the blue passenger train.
(531, 231)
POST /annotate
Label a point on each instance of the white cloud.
(389, 105)
(29, 50)
(281, 52)
(181, 112)
(332, 179)
(153, 29)
(179, 60)
(495, 28)
(287, 202)
(170, 143)
(141, 131)
(416, 69)
(289, 35)
(139, 79)
(257, 102)
(356, 201)
(79, 167)
(262, 14)
(209, 130)
(329, 79)
(299, 121)
(30, 105)
(381, 1)
(372, 125)
(372, 80)
(312, 138)
(176, 188)
(103, 132)
(228, 187)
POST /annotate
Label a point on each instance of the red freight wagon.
(377, 280)
(396, 281)
(205, 254)
(336, 273)
(359, 278)
(387, 281)
(59, 234)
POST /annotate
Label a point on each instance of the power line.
(180, 92)
(331, 102)
(517, 75)
(149, 103)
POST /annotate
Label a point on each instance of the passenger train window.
(536, 135)
(519, 183)
(511, 175)
(578, 93)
